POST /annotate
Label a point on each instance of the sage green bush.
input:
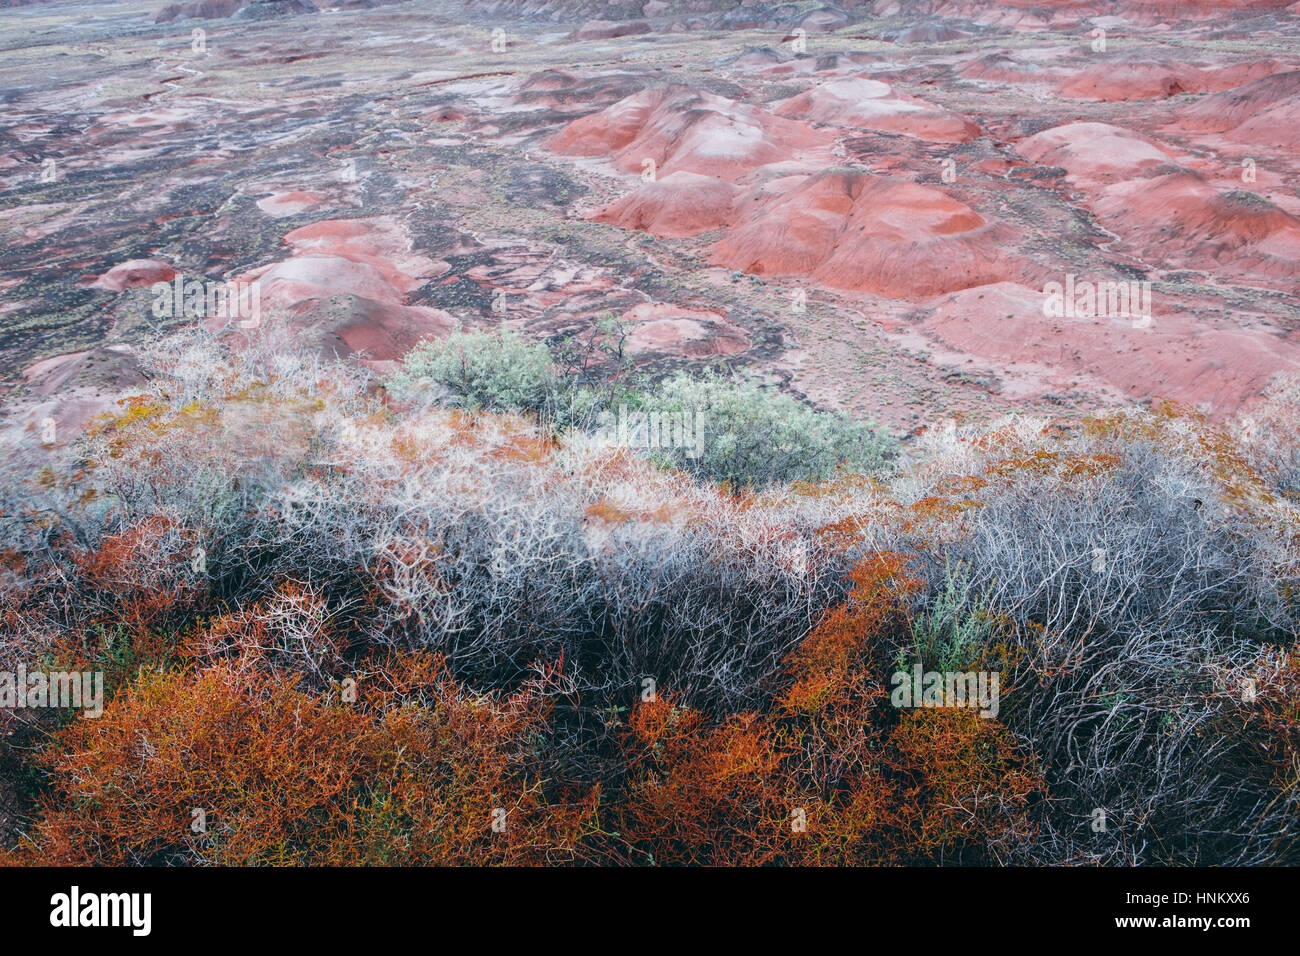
(499, 371)
(755, 435)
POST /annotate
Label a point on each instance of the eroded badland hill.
(868, 200)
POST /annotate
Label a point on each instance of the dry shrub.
(833, 774)
(409, 774)
(140, 577)
(964, 785)
(696, 794)
(112, 605)
(294, 631)
(1126, 565)
(337, 529)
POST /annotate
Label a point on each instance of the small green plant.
(498, 371)
(754, 435)
(949, 633)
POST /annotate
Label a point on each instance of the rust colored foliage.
(961, 781)
(893, 786)
(696, 794)
(108, 607)
(415, 772)
(836, 661)
(418, 768)
(138, 577)
(832, 774)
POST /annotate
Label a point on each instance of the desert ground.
(865, 202)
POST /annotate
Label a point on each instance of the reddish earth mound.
(1144, 81)
(608, 30)
(1265, 112)
(1094, 153)
(678, 129)
(344, 325)
(307, 277)
(134, 274)
(870, 104)
(560, 88)
(1022, 67)
(782, 62)
(852, 230)
(841, 227)
(680, 204)
(281, 204)
(657, 328)
(110, 366)
(346, 285)
(1170, 216)
(1035, 14)
(370, 258)
(1175, 357)
(1182, 221)
(200, 9)
(931, 31)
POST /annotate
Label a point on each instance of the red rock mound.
(851, 230)
(1265, 112)
(383, 334)
(1171, 217)
(665, 329)
(1155, 80)
(676, 205)
(281, 204)
(198, 9)
(1184, 222)
(345, 288)
(1031, 14)
(679, 129)
(1094, 153)
(608, 30)
(861, 103)
(1176, 356)
(1003, 67)
(133, 274)
(932, 31)
(561, 88)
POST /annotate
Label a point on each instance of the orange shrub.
(839, 658)
(293, 630)
(832, 774)
(892, 786)
(286, 778)
(963, 782)
(695, 794)
(139, 578)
